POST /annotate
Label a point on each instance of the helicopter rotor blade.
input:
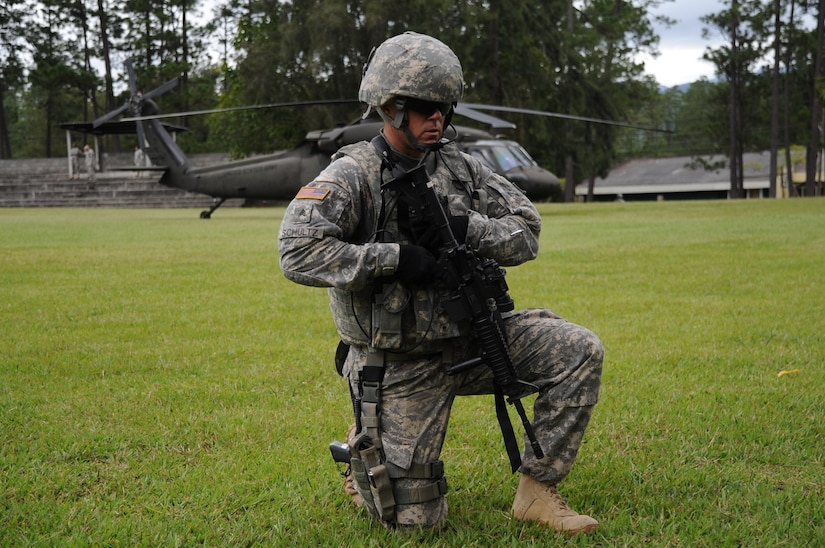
(140, 135)
(470, 110)
(137, 100)
(160, 90)
(130, 71)
(494, 122)
(109, 115)
(247, 107)
(562, 116)
(127, 106)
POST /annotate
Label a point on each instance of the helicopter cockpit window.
(485, 157)
(506, 159)
(523, 155)
(502, 156)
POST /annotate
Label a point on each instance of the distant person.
(74, 158)
(140, 161)
(91, 163)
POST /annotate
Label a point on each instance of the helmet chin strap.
(400, 119)
(402, 123)
(444, 141)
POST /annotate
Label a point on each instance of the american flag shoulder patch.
(311, 193)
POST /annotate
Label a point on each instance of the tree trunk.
(733, 98)
(591, 187)
(788, 159)
(5, 143)
(496, 92)
(105, 52)
(569, 166)
(816, 107)
(777, 51)
(569, 178)
(184, 88)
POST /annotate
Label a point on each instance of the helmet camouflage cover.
(412, 65)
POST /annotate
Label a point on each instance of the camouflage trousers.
(563, 359)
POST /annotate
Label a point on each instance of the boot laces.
(556, 497)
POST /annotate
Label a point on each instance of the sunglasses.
(427, 108)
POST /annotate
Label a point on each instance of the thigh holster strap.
(417, 495)
(414, 495)
(430, 470)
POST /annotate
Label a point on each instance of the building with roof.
(676, 178)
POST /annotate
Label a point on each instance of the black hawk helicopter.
(279, 176)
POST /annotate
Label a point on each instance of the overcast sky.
(682, 45)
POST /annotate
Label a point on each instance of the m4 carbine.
(478, 294)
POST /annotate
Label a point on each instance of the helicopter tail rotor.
(137, 102)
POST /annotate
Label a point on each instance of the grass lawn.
(162, 384)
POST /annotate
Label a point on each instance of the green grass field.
(162, 384)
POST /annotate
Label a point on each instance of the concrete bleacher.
(45, 182)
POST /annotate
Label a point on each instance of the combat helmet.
(411, 65)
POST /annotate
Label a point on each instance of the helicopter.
(279, 176)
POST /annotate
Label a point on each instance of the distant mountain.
(682, 87)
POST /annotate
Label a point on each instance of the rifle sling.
(510, 442)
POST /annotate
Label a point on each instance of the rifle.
(478, 294)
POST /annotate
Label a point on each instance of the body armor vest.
(392, 316)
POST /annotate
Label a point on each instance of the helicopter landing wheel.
(216, 203)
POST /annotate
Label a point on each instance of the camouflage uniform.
(330, 238)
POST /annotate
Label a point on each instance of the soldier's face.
(426, 124)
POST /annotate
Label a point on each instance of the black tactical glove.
(416, 265)
(423, 232)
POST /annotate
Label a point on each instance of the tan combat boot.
(349, 482)
(536, 501)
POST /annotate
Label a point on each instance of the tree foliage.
(12, 46)
(751, 36)
(513, 53)
(62, 60)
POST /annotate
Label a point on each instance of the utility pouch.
(362, 484)
(372, 478)
(388, 308)
(380, 484)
